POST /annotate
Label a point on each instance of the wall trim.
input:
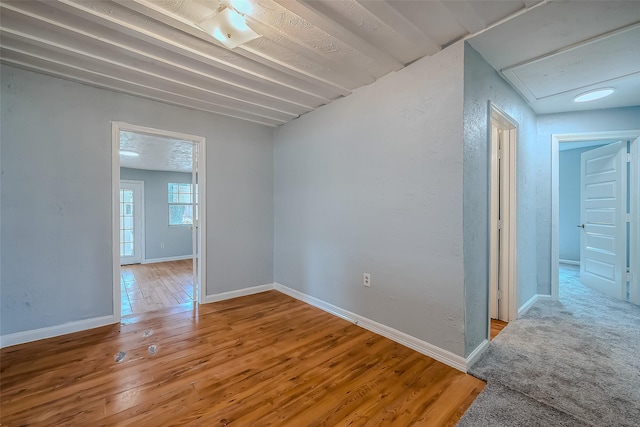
(238, 293)
(534, 299)
(444, 356)
(475, 354)
(569, 261)
(166, 259)
(54, 331)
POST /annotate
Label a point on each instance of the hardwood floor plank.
(149, 287)
(261, 360)
(496, 327)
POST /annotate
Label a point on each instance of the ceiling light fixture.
(592, 95)
(229, 25)
(128, 153)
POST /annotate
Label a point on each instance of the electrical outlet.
(366, 280)
(162, 245)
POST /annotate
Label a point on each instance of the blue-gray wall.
(373, 183)
(481, 85)
(56, 202)
(613, 119)
(176, 239)
(569, 194)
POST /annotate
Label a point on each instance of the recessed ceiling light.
(592, 95)
(128, 153)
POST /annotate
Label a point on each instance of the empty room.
(292, 212)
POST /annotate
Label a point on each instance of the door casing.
(556, 140)
(199, 168)
(502, 251)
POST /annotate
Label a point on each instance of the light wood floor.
(497, 326)
(261, 360)
(147, 287)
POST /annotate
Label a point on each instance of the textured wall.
(56, 197)
(483, 84)
(177, 240)
(613, 119)
(373, 183)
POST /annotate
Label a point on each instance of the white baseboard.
(239, 293)
(444, 356)
(475, 354)
(569, 262)
(534, 299)
(54, 331)
(167, 259)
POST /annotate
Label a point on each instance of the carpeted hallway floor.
(572, 362)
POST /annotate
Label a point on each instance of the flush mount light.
(128, 153)
(229, 27)
(592, 95)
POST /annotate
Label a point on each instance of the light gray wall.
(56, 197)
(483, 84)
(569, 193)
(613, 119)
(373, 183)
(176, 239)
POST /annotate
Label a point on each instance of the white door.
(131, 222)
(634, 240)
(603, 241)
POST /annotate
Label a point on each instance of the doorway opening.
(158, 184)
(606, 256)
(502, 269)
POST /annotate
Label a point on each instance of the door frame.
(199, 168)
(556, 140)
(508, 251)
(138, 234)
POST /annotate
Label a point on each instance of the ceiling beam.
(223, 58)
(266, 31)
(116, 67)
(310, 12)
(70, 72)
(390, 16)
(48, 25)
(465, 13)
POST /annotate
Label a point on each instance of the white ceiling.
(560, 49)
(311, 52)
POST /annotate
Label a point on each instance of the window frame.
(171, 203)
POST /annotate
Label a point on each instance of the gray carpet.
(580, 356)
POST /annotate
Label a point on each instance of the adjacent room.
(358, 212)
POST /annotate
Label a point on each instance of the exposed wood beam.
(46, 24)
(103, 81)
(116, 67)
(387, 14)
(229, 61)
(171, 20)
(465, 13)
(531, 3)
(309, 11)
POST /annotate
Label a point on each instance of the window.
(181, 204)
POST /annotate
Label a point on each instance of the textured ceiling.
(156, 153)
(310, 52)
